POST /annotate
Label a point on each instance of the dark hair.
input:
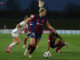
(25, 17)
(53, 34)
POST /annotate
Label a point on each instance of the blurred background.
(62, 14)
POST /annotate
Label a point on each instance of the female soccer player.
(15, 34)
(56, 44)
(36, 23)
(40, 5)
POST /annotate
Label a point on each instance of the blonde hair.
(41, 3)
(41, 9)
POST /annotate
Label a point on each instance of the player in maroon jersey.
(40, 5)
(56, 44)
(36, 23)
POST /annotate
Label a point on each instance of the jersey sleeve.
(33, 17)
(21, 23)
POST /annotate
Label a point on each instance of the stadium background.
(62, 14)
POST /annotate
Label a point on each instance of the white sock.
(12, 44)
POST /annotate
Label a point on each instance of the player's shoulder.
(35, 16)
(22, 22)
(32, 15)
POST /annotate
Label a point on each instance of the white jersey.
(15, 32)
(20, 27)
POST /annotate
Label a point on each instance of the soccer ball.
(47, 54)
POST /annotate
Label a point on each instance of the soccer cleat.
(25, 53)
(29, 56)
(9, 47)
(8, 51)
(59, 51)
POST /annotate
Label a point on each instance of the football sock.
(25, 41)
(11, 45)
(32, 50)
(29, 47)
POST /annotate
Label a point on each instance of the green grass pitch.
(71, 53)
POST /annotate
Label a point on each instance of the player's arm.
(60, 38)
(32, 17)
(50, 27)
(26, 21)
(17, 26)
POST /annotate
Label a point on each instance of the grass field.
(71, 53)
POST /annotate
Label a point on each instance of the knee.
(18, 42)
(26, 37)
(32, 44)
(32, 41)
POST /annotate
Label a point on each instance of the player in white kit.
(15, 34)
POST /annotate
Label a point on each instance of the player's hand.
(22, 28)
(54, 30)
(20, 32)
(66, 45)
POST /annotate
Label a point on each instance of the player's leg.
(37, 41)
(30, 46)
(25, 40)
(38, 37)
(59, 45)
(34, 47)
(16, 40)
(32, 43)
(10, 46)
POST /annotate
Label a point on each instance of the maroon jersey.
(52, 37)
(36, 24)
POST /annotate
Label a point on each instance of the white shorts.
(15, 34)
